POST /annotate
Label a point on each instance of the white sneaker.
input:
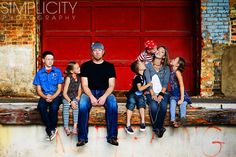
(53, 134)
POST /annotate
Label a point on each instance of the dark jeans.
(49, 118)
(135, 100)
(111, 115)
(157, 111)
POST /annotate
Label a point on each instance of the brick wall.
(17, 22)
(17, 47)
(216, 37)
(233, 20)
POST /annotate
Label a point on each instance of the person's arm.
(142, 88)
(84, 83)
(164, 85)
(59, 87)
(40, 92)
(66, 86)
(181, 85)
(110, 89)
(79, 93)
(141, 57)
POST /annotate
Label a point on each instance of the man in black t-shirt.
(98, 82)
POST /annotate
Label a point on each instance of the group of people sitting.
(93, 83)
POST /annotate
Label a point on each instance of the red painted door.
(122, 26)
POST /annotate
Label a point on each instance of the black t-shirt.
(98, 74)
(137, 79)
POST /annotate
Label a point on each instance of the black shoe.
(53, 134)
(161, 132)
(80, 143)
(113, 141)
(129, 130)
(142, 127)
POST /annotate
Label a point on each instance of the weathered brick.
(212, 4)
(219, 1)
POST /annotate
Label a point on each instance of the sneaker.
(80, 143)
(47, 138)
(129, 130)
(161, 132)
(53, 134)
(113, 141)
(142, 127)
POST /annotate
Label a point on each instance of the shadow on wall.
(229, 72)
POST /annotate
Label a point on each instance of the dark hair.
(134, 66)
(47, 53)
(70, 66)
(181, 63)
(165, 61)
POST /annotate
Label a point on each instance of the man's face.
(48, 61)
(98, 54)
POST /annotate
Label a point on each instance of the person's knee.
(130, 106)
(111, 99)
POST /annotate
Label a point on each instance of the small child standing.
(71, 93)
(136, 97)
(149, 52)
(178, 94)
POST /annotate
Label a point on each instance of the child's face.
(152, 51)
(141, 65)
(161, 52)
(48, 61)
(76, 69)
(175, 62)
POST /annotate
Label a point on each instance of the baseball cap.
(150, 44)
(97, 45)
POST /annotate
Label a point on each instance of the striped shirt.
(145, 57)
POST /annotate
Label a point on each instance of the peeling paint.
(28, 141)
(17, 70)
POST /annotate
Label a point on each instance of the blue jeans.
(137, 100)
(49, 118)
(157, 111)
(110, 115)
(182, 108)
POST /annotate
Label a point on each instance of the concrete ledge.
(27, 114)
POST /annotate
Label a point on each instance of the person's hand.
(180, 101)
(150, 84)
(102, 100)
(93, 101)
(73, 105)
(49, 98)
(154, 97)
(159, 98)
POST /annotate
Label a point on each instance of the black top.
(137, 79)
(98, 74)
(73, 87)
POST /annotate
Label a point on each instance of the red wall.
(122, 26)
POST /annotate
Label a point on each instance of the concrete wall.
(229, 72)
(17, 70)
(28, 141)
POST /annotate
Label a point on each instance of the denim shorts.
(137, 100)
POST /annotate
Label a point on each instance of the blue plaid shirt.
(48, 81)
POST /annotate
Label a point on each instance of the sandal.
(175, 124)
(68, 132)
(74, 131)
